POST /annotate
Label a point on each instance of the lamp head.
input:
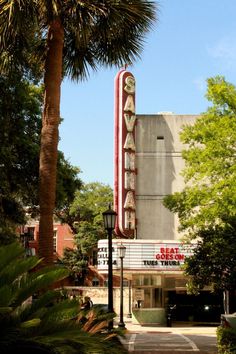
(121, 250)
(109, 219)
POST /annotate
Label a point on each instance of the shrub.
(45, 323)
(226, 340)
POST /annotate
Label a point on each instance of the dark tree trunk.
(49, 139)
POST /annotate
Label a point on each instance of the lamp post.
(121, 253)
(109, 219)
(130, 313)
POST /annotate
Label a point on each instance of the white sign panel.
(138, 294)
(145, 255)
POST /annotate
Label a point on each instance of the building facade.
(159, 165)
(62, 236)
(148, 165)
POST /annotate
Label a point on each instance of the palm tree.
(75, 36)
(48, 324)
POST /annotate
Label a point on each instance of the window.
(31, 233)
(169, 282)
(95, 282)
(54, 240)
(152, 297)
(172, 283)
(180, 283)
(147, 280)
(125, 283)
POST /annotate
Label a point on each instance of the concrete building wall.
(99, 296)
(159, 164)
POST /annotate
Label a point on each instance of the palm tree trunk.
(49, 139)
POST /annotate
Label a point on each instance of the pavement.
(177, 328)
(182, 338)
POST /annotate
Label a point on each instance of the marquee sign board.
(125, 172)
(162, 256)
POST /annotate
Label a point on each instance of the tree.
(91, 201)
(68, 184)
(213, 261)
(207, 205)
(75, 36)
(20, 120)
(20, 108)
(86, 209)
(49, 323)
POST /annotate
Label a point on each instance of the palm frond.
(105, 33)
(16, 268)
(39, 306)
(30, 286)
(46, 324)
(9, 253)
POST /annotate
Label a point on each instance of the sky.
(191, 41)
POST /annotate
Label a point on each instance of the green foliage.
(108, 33)
(91, 201)
(67, 182)
(20, 120)
(47, 323)
(226, 340)
(87, 236)
(85, 240)
(95, 33)
(210, 195)
(86, 209)
(206, 207)
(87, 34)
(20, 111)
(213, 261)
(74, 260)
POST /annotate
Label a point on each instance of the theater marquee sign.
(125, 172)
(148, 255)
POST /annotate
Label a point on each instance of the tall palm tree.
(75, 36)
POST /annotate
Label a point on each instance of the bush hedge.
(226, 340)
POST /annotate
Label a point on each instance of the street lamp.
(130, 313)
(109, 219)
(121, 253)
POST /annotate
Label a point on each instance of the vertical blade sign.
(125, 172)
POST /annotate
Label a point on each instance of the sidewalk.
(184, 339)
(176, 328)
